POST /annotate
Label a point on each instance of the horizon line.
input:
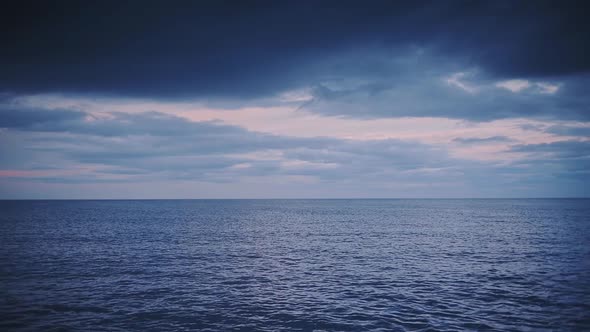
(279, 198)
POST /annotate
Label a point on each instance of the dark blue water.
(295, 265)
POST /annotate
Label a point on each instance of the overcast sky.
(286, 99)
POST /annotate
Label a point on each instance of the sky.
(294, 99)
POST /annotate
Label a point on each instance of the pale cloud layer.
(57, 141)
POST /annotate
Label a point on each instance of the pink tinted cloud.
(22, 174)
(16, 173)
(287, 120)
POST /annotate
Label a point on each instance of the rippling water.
(295, 265)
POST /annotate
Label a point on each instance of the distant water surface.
(295, 265)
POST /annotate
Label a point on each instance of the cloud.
(565, 162)
(331, 59)
(114, 147)
(34, 119)
(294, 98)
(569, 130)
(456, 80)
(477, 140)
(117, 124)
(105, 150)
(209, 49)
(514, 85)
(425, 89)
(547, 88)
(519, 85)
(559, 150)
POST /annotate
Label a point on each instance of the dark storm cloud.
(257, 48)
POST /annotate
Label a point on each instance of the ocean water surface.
(295, 265)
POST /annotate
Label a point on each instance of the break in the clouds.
(301, 99)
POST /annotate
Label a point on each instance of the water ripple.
(295, 265)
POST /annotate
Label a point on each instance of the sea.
(295, 265)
